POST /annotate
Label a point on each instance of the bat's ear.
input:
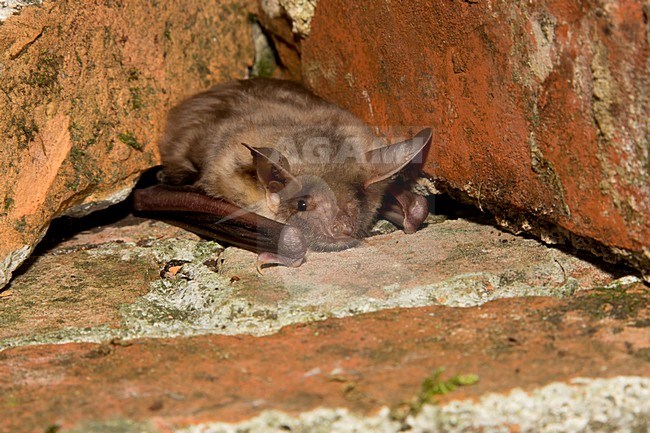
(274, 173)
(388, 160)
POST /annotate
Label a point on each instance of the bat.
(268, 166)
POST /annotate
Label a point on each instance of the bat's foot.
(265, 260)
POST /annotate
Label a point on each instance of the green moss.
(133, 74)
(20, 225)
(84, 137)
(76, 132)
(265, 66)
(10, 317)
(206, 250)
(615, 303)
(620, 302)
(643, 354)
(73, 185)
(11, 401)
(83, 166)
(200, 68)
(78, 58)
(108, 39)
(129, 139)
(642, 323)
(77, 156)
(8, 204)
(135, 101)
(46, 73)
(100, 127)
(167, 33)
(90, 141)
(432, 386)
(23, 128)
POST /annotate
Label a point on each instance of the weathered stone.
(133, 294)
(619, 404)
(9, 7)
(361, 364)
(138, 326)
(84, 89)
(285, 42)
(540, 110)
(299, 12)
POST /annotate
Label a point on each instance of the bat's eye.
(301, 205)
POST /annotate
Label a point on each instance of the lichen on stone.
(299, 11)
(10, 7)
(619, 404)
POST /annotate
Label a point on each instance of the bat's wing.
(404, 208)
(218, 219)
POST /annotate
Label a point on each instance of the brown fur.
(324, 145)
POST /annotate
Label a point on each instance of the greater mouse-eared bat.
(268, 166)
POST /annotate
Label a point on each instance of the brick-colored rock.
(84, 89)
(119, 273)
(361, 363)
(540, 110)
(137, 326)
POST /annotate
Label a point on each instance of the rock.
(84, 89)
(539, 110)
(9, 7)
(454, 263)
(299, 12)
(186, 336)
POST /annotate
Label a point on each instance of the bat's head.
(333, 212)
(333, 204)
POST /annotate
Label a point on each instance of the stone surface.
(186, 336)
(80, 119)
(10, 7)
(540, 110)
(456, 263)
(619, 404)
(285, 42)
(299, 12)
(363, 364)
(124, 325)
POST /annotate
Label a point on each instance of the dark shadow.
(66, 227)
(447, 206)
(120, 215)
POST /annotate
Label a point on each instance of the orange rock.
(539, 110)
(84, 90)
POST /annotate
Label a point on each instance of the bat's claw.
(272, 259)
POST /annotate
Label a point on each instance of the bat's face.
(335, 203)
(329, 214)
